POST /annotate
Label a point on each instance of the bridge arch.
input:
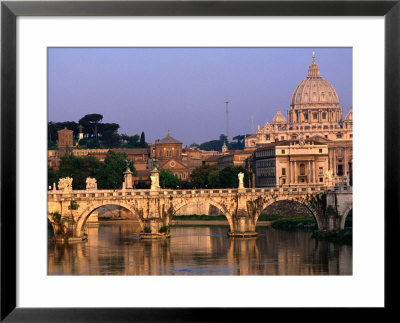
(344, 216)
(297, 199)
(81, 221)
(206, 201)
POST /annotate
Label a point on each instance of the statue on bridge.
(240, 177)
(65, 184)
(91, 183)
(155, 180)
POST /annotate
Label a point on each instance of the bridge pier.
(243, 222)
(337, 206)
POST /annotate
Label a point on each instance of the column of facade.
(309, 177)
(314, 170)
(294, 172)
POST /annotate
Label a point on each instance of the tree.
(212, 145)
(110, 173)
(52, 176)
(142, 141)
(79, 168)
(109, 134)
(200, 176)
(91, 122)
(223, 138)
(142, 185)
(92, 143)
(228, 176)
(239, 145)
(213, 178)
(168, 179)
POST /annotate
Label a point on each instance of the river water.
(114, 249)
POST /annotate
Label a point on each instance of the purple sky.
(184, 89)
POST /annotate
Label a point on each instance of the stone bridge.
(69, 210)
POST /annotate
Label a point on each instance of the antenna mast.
(227, 120)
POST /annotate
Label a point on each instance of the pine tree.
(142, 140)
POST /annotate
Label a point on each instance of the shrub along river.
(114, 248)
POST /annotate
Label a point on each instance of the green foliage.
(142, 140)
(56, 217)
(212, 145)
(79, 168)
(130, 141)
(337, 236)
(228, 176)
(110, 173)
(53, 127)
(73, 205)
(92, 143)
(202, 217)
(163, 229)
(295, 223)
(141, 185)
(213, 179)
(201, 176)
(168, 179)
(147, 230)
(52, 176)
(109, 136)
(209, 176)
(90, 122)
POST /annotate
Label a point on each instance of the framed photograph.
(245, 112)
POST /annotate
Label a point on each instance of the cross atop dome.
(313, 70)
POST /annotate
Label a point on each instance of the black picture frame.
(10, 10)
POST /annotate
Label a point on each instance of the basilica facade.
(314, 111)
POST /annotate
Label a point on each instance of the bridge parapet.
(132, 193)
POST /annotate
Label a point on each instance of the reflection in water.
(114, 249)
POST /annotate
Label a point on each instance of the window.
(340, 170)
(283, 180)
(307, 137)
(267, 137)
(321, 179)
(282, 138)
(283, 151)
(339, 135)
(326, 136)
(302, 169)
(283, 171)
(320, 150)
(321, 171)
(315, 116)
(293, 137)
(323, 115)
(351, 136)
